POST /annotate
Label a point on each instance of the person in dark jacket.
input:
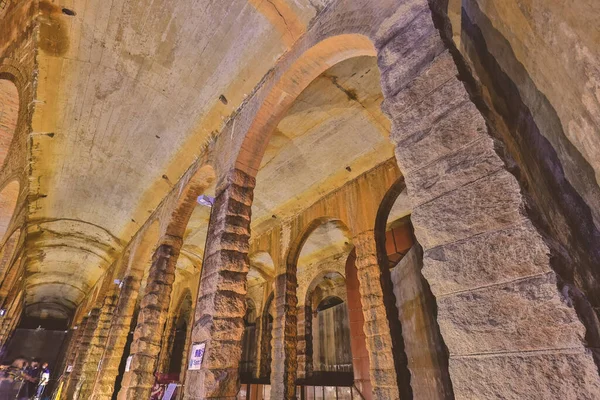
(30, 376)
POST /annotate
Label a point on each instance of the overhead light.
(205, 200)
(2, 312)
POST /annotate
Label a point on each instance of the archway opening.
(249, 343)
(9, 115)
(8, 201)
(324, 349)
(410, 305)
(178, 337)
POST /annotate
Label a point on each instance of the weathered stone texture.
(221, 303)
(376, 328)
(74, 382)
(425, 349)
(154, 306)
(117, 337)
(536, 375)
(465, 200)
(285, 324)
(97, 346)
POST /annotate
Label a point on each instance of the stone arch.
(175, 350)
(306, 361)
(8, 202)
(312, 63)
(187, 201)
(266, 340)
(263, 263)
(9, 114)
(7, 254)
(286, 309)
(405, 291)
(298, 243)
(458, 206)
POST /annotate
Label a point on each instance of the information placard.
(196, 356)
(128, 363)
(170, 391)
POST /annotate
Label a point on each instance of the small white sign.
(196, 356)
(128, 363)
(170, 391)
(69, 368)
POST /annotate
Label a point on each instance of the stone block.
(436, 74)
(524, 315)
(452, 171)
(491, 203)
(451, 132)
(424, 114)
(486, 259)
(568, 375)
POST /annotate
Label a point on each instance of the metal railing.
(254, 391)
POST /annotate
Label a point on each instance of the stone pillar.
(166, 345)
(218, 319)
(117, 338)
(304, 349)
(384, 380)
(356, 321)
(74, 344)
(509, 329)
(73, 382)
(425, 349)
(138, 381)
(97, 346)
(285, 365)
(70, 354)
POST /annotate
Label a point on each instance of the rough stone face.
(285, 322)
(97, 346)
(467, 202)
(221, 297)
(73, 384)
(527, 375)
(472, 263)
(377, 331)
(115, 343)
(425, 349)
(151, 319)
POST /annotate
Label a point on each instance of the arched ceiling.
(9, 114)
(334, 132)
(126, 91)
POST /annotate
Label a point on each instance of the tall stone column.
(117, 337)
(285, 324)
(98, 343)
(154, 307)
(73, 381)
(304, 348)
(503, 312)
(218, 320)
(382, 367)
(356, 322)
(71, 352)
(167, 341)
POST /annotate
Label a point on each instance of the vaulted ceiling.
(128, 91)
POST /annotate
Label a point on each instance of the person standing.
(44, 379)
(30, 376)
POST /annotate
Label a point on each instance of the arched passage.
(6, 257)
(9, 115)
(322, 245)
(176, 346)
(114, 359)
(410, 305)
(8, 201)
